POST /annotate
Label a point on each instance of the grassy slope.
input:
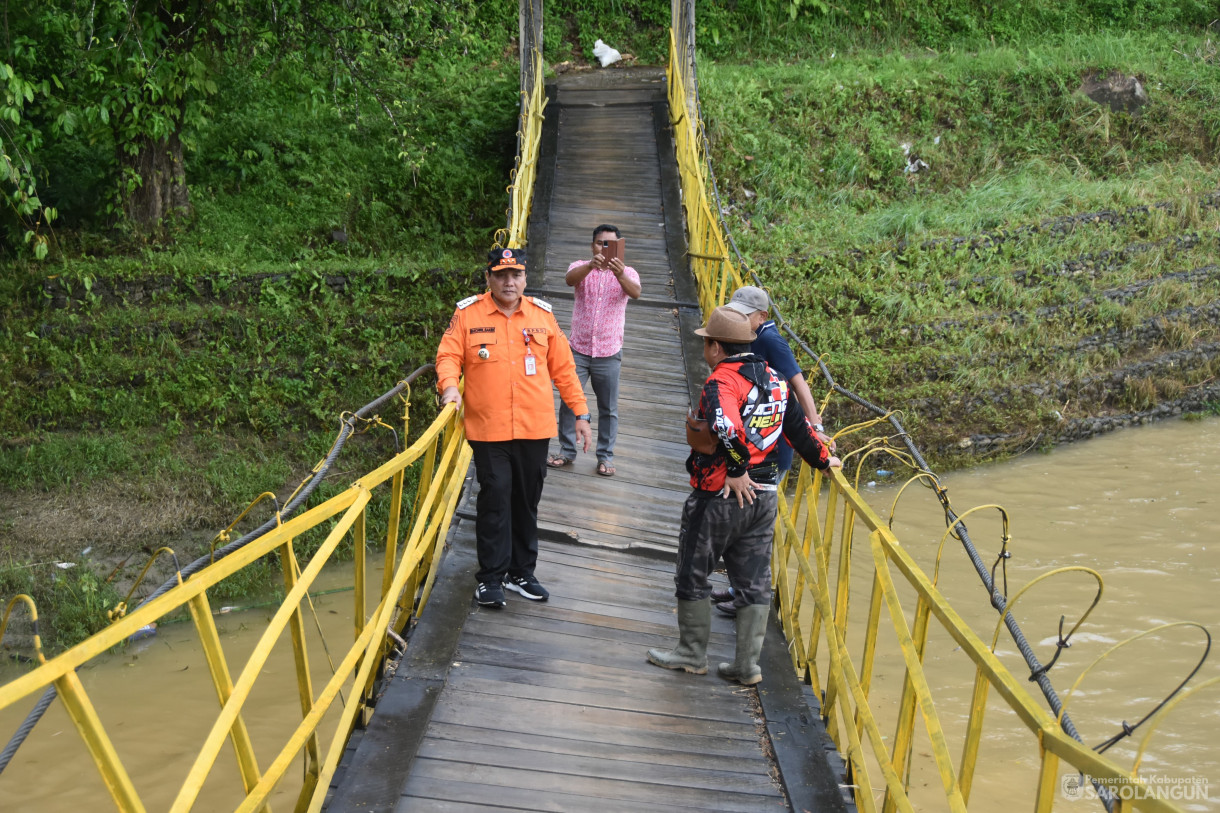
(1055, 263)
(165, 386)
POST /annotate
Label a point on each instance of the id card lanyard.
(531, 363)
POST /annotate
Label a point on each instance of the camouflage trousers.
(712, 528)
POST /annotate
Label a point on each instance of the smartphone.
(610, 249)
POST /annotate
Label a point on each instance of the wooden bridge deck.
(553, 706)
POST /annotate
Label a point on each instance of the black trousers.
(510, 475)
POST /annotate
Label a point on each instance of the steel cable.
(346, 430)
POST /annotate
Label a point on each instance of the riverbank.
(957, 231)
(967, 236)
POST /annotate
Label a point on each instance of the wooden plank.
(594, 725)
(496, 653)
(572, 638)
(652, 509)
(426, 793)
(580, 766)
(607, 751)
(549, 788)
(592, 558)
(495, 680)
(433, 805)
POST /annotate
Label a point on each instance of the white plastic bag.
(605, 53)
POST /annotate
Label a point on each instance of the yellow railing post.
(1048, 782)
(258, 658)
(300, 657)
(915, 676)
(871, 627)
(358, 548)
(218, 668)
(391, 533)
(84, 716)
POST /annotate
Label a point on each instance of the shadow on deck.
(553, 706)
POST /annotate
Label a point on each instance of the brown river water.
(157, 702)
(1140, 506)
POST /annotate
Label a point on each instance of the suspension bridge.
(437, 704)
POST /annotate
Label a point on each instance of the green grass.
(72, 603)
(176, 377)
(1006, 138)
(875, 266)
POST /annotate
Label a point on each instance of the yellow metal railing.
(813, 566)
(529, 141)
(440, 457)
(716, 276)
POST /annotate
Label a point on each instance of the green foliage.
(170, 359)
(73, 603)
(25, 217)
(79, 603)
(635, 27)
(64, 461)
(978, 294)
(138, 86)
(799, 29)
(1004, 134)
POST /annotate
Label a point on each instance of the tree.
(137, 78)
(132, 74)
(27, 218)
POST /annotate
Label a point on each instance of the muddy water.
(156, 700)
(1140, 506)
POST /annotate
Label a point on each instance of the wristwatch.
(584, 417)
(817, 427)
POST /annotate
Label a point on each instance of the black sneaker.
(489, 594)
(727, 608)
(721, 596)
(527, 586)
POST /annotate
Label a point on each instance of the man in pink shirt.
(602, 290)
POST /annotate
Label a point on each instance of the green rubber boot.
(751, 630)
(694, 626)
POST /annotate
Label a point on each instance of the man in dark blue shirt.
(774, 350)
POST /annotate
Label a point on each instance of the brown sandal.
(605, 469)
(557, 461)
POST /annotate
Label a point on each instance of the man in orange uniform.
(511, 349)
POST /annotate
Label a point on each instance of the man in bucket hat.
(730, 512)
(772, 348)
(511, 350)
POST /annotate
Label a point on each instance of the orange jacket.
(501, 401)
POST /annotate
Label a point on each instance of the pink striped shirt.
(599, 312)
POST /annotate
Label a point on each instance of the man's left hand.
(583, 435)
(742, 487)
(827, 441)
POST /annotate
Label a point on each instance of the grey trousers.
(714, 527)
(604, 374)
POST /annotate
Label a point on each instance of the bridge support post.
(530, 21)
(682, 20)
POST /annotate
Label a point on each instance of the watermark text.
(1169, 788)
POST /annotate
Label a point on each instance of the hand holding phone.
(610, 250)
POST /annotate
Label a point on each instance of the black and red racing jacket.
(750, 406)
